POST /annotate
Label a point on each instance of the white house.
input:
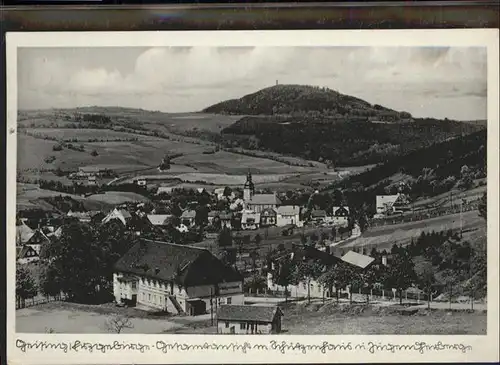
(188, 217)
(164, 190)
(83, 217)
(249, 319)
(26, 254)
(390, 204)
(219, 193)
(288, 214)
(175, 278)
(250, 220)
(120, 214)
(340, 216)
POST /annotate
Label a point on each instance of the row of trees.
(455, 268)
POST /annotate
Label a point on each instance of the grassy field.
(384, 237)
(228, 162)
(372, 323)
(117, 197)
(30, 196)
(314, 319)
(178, 122)
(84, 135)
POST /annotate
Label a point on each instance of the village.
(230, 258)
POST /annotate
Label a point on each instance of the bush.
(94, 153)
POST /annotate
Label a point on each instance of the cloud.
(163, 78)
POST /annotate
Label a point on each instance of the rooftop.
(288, 210)
(265, 199)
(185, 265)
(357, 259)
(159, 219)
(248, 313)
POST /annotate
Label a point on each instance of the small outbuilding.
(249, 319)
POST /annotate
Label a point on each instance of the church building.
(258, 202)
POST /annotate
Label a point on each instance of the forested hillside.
(430, 171)
(324, 125)
(343, 143)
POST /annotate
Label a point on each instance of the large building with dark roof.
(175, 278)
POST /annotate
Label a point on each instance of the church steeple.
(249, 188)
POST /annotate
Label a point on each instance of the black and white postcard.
(243, 197)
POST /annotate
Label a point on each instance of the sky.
(440, 82)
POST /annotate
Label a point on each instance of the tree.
(426, 279)
(225, 239)
(25, 286)
(94, 153)
(227, 191)
(355, 281)
(483, 203)
(80, 262)
(117, 323)
(334, 234)
(372, 276)
(228, 256)
(254, 256)
(258, 239)
(201, 217)
(307, 271)
(282, 273)
(401, 272)
(338, 276)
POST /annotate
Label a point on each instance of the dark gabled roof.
(248, 313)
(185, 265)
(310, 253)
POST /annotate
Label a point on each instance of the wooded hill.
(430, 171)
(304, 100)
(323, 125)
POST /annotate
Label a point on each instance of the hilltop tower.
(249, 188)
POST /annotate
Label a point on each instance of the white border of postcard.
(251, 349)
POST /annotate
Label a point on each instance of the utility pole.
(211, 307)
(461, 217)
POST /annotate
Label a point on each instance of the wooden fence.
(419, 216)
(31, 302)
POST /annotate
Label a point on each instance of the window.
(149, 297)
(229, 300)
(243, 326)
(227, 324)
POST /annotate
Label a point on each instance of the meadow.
(84, 135)
(299, 319)
(384, 237)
